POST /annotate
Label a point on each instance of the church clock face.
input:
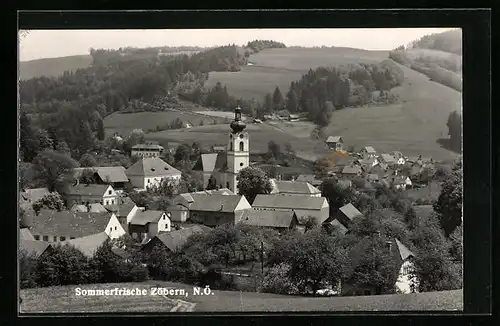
(241, 136)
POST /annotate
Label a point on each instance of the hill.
(52, 67)
(63, 299)
(281, 66)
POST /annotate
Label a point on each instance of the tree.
(251, 182)
(277, 280)
(278, 100)
(101, 134)
(54, 169)
(274, 149)
(456, 247)
(336, 195)
(268, 102)
(136, 137)
(86, 140)
(449, 203)
(62, 147)
(212, 183)
(182, 153)
(52, 201)
(29, 143)
(454, 125)
(88, 160)
(157, 261)
(27, 269)
(292, 102)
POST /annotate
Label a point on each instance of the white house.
(90, 193)
(147, 224)
(400, 159)
(368, 151)
(401, 182)
(151, 171)
(407, 282)
(146, 150)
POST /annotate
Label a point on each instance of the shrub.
(27, 269)
(277, 280)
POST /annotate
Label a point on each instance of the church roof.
(212, 162)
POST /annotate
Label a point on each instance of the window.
(241, 164)
(109, 192)
(367, 292)
(115, 228)
(63, 238)
(149, 180)
(112, 201)
(45, 238)
(71, 238)
(111, 229)
(231, 146)
(37, 237)
(55, 238)
(107, 202)
(242, 146)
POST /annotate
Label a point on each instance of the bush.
(27, 269)
(277, 281)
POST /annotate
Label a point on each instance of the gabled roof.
(387, 158)
(369, 149)
(145, 217)
(339, 226)
(151, 167)
(367, 161)
(293, 187)
(32, 195)
(124, 207)
(215, 202)
(34, 247)
(175, 240)
(87, 190)
(350, 211)
(351, 170)
(148, 146)
(344, 183)
(334, 139)
(212, 162)
(88, 244)
(311, 178)
(267, 218)
(94, 208)
(372, 177)
(397, 154)
(112, 174)
(221, 191)
(69, 224)
(25, 234)
(404, 252)
(289, 202)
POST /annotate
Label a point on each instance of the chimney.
(389, 245)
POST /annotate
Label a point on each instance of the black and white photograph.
(240, 170)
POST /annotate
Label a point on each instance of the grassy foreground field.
(53, 67)
(279, 67)
(63, 299)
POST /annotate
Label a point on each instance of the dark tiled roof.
(289, 202)
(333, 139)
(175, 240)
(87, 190)
(112, 174)
(25, 234)
(212, 162)
(88, 244)
(351, 170)
(34, 247)
(339, 226)
(69, 224)
(151, 167)
(311, 178)
(267, 218)
(124, 207)
(350, 211)
(370, 149)
(143, 218)
(32, 195)
(387, 158)
(215, 202)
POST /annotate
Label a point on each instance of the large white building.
(146, 150)
(150, 171)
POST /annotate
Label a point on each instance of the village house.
(368, 152)
(310, 178)
(147, 224)
(372, 177)
(125, 209)
(53, 226)
(344, 183)
(110, 175)
(335, 142)
(303, 206)
(351, 172)
(367, 164)
(404, 259)
(379, 169)
(90, 208)
(345, 215)
(150, 172)
(401, 182)
(278, 220)
(90, 193)
(400, 159)
(211, 210)
(335, 225)
(28, 197)
(173, 241)
(182, 202)
(146, 150)
(89, 244)
(387, 159)
(281, 187)
(37, 249)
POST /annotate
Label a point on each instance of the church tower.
(238, 152)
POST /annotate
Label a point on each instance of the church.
(223, 167)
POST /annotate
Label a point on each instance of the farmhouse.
(303, 206)
(368, 163)
(90, 193)
(372, 177)
(173, 241)
(213, 210)
(399, 157)
(335, 143)
(351, 172)
(35, 248)
(146, 150)
(310, 178)
(404, 259)
(280, 187)
(150, 172)
(345, 215)
(53, 226)
(90, 208)
(124, 211)
(182, 201)
(111, 175)
(147, 224)
(401, 182)
(334, 224)
(89, 244)
(368, 151)
(277, 220)
(387, 159)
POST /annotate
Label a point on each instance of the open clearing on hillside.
(52, 67)
(63, 299)
(124, 123)
(279, 67)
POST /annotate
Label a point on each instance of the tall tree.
(135, 137)
(268, 102)
(101, 134)
(29, 143)
(455, 130)
(278, 100)
(53, 169)
(449, 203)
(292, 102)
(253, 181)
(87, 160)
(274, 149)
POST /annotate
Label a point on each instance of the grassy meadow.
(53, 67)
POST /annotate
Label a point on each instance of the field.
(63, 299)
(53, 66)
(429, 192)
(279, 67)
(124, 123)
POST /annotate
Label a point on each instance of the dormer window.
(109, 192)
